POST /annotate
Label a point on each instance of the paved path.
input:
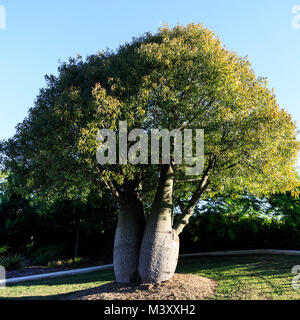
(57, 274)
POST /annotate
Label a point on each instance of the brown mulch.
(180, 287)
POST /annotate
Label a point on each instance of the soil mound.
(180, 287)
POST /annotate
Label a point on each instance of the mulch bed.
(180, 287)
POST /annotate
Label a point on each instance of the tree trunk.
(160, 245)
(76, 241)
(150, 254)
(129, 233)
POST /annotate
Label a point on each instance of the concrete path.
(57, 274)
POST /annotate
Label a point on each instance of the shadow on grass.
(256, 264)
(74, 295)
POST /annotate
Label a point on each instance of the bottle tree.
(179, 78)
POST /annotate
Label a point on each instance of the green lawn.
(239, 277)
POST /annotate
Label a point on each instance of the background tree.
(44, 232)
(178, 78)
(236, 222)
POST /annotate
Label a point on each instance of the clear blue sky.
(39, 33)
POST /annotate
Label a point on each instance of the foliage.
(287, 208)
(68, 263)
(220, 223)
(244, 222)
(12, 262)
(28, 222)
(3, 249)
(17, 221)
(49, 253)
(178, 78)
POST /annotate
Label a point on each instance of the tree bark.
(150, 254)
(128, 237)
(160, 244)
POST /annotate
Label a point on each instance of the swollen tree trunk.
(160, 245)
(129, 233)
(150, 254)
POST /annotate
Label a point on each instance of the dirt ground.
(180, 287)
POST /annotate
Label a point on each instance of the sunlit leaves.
(177, 78)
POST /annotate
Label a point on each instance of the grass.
(257, 277)
(56, 288)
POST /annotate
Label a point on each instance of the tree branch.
(189, 209)
(181, 205)
(110, 185)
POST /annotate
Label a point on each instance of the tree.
(177, 78)
(27, 221)
(17, 218)
(287, 208)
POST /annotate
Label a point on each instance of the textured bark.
(160, 245)
(129, 233)
(150, 254)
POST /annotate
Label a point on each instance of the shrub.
(12, 262)
(4, 249)
(68, 263)
(46, 254)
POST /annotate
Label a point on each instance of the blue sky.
(39, 33)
